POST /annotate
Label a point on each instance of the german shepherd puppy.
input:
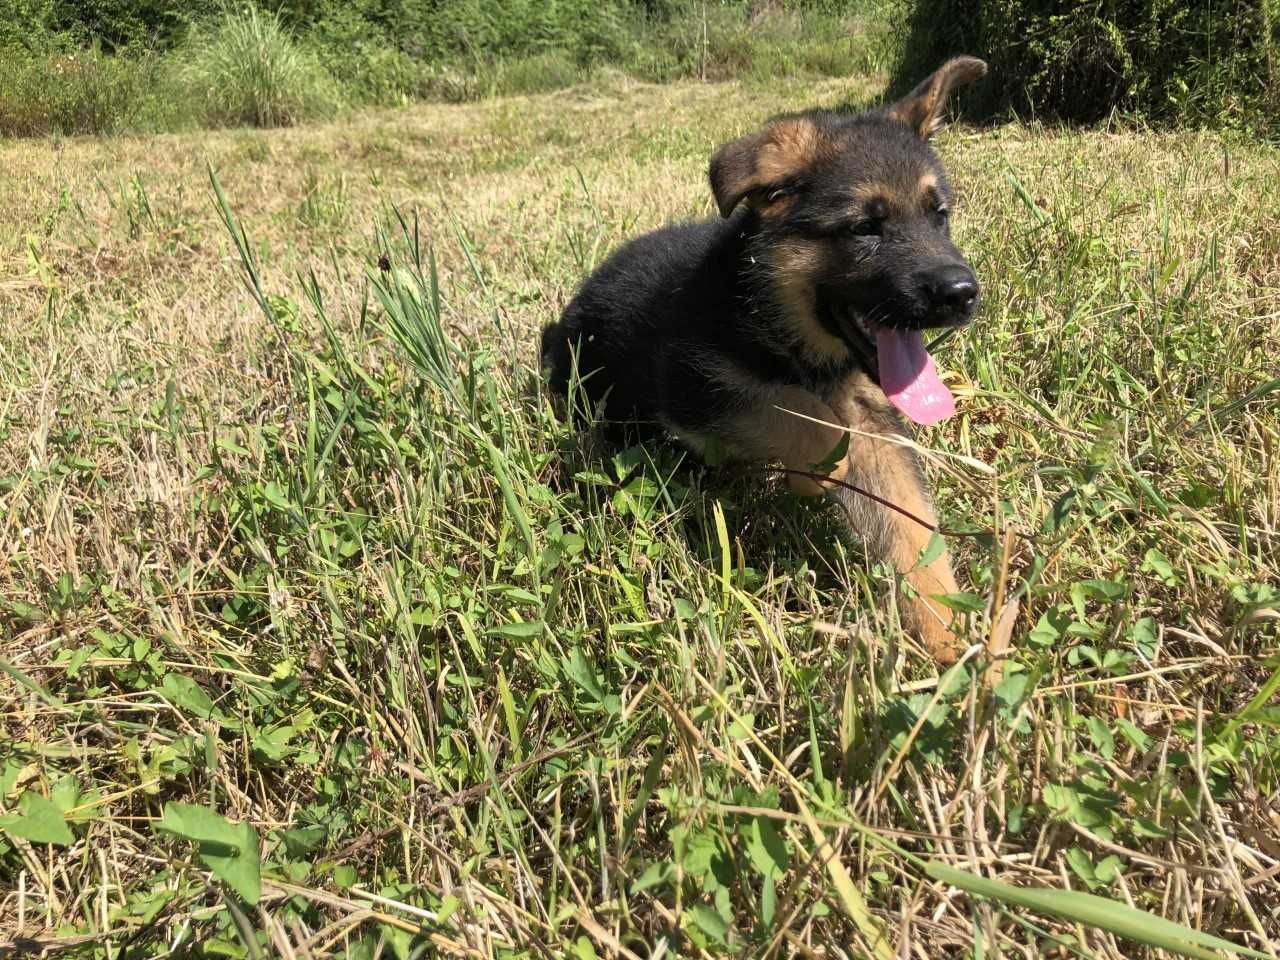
(797, 319)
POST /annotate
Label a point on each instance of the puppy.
(796, 320)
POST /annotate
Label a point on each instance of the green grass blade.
(1098, 912)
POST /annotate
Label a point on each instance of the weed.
(75, 92)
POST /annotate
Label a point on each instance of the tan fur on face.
(898, 198)
(864, 193)
(794, 264)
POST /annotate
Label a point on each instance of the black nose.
(952, 290)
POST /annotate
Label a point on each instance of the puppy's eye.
(873, 227)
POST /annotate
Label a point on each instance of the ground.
(294, 536)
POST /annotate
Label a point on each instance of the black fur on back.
(645, 323)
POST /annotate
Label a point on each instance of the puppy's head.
(854, 216)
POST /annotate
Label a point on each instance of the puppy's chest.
(753, 345)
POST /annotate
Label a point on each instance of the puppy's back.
(647, 295)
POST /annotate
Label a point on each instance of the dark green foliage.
(85, 66)
(1079, 60)
(25, 21)
(436, 30)
(392, 49)
(109, 24)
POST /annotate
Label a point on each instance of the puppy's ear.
(921, 109)
(763, 167)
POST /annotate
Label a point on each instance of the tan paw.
(930, 624)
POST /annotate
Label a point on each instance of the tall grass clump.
(1080, 60)
(763, 42)
(252, 71)
(84, 91)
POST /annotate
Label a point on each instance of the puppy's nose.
(952, 289)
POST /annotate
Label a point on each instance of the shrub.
(80, 91)
(251, 70)
(24, 24)
(1079, 60)
(484, 30)
(836, 38)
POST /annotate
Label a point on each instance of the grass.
(254, 73)
(246, 68)
(84, 91)
(310, 599)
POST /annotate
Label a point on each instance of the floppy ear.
(763, 166)
(921, 109)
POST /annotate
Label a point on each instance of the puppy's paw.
(930, 622)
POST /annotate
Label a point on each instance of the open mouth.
(907, 372)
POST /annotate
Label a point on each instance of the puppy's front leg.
(771, 430)
(892, 472)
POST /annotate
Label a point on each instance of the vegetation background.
(321, 633)
(109, 65)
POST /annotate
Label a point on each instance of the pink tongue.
(909, 378)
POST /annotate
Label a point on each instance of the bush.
(834, 39)
(251, 70)
(1079, 60)
(111, 25)
(483, 29)
(473, 31)
(82, 91)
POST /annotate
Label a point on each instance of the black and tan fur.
(755, 332)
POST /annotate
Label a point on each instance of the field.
(289, 532)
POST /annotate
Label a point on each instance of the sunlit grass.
(318, 554)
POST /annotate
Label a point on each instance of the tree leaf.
(517, 631)
(300, 841)
(841, 450)
(198, 824)
(186, 694)
(768, 902)
(709, 922)
(240, 869)
(658, 872)
(932, 550)
(581, 671)
(703, 847)
(273, 742)
(962, 602)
